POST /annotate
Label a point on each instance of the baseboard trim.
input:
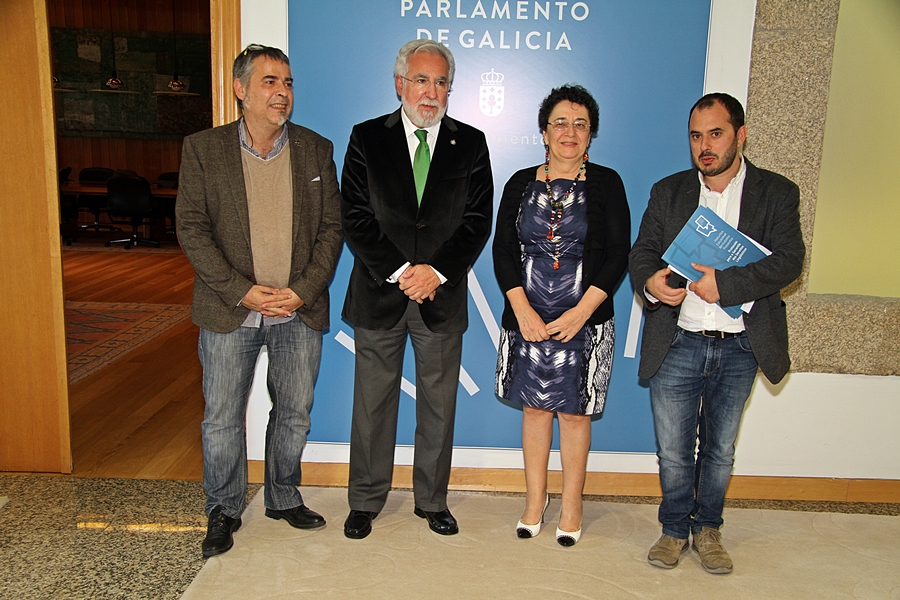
(621, 484)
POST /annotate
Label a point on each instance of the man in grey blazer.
(700, 362)
(258, 216)
(417, 198)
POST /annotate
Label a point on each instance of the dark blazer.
(385, 227)
(213, 225)
(770, 215)
(605, 250)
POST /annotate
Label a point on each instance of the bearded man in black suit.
(417, 196)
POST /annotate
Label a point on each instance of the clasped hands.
(563, 329)
(419, 282)
(272, 302)
(705, 287)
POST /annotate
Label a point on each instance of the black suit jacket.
(385, 227)
(770, 215)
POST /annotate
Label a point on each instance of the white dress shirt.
(697, 315)
(413, 142)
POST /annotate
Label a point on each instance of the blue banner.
(643, 61)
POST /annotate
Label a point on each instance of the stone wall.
(790, 71)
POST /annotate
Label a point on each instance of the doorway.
(140, 415)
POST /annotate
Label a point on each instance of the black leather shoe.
(441, 522)
(300, 517)
(219, 530)
(359, 524)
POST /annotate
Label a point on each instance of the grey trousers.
(376, 400)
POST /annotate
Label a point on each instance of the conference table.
(83, 189)
(163, 195)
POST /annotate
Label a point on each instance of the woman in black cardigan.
(560, 248)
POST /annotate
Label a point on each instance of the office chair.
(68, 209)
(130, 198)
(168, 180)
(94, 204)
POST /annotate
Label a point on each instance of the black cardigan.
(605, 250)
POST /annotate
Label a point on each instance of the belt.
(712, 333)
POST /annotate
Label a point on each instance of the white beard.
(417, 118)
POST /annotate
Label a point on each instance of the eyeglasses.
(580, 126)
(423, 83)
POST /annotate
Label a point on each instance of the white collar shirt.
(411, 139)
(697, 315)
(413, 142)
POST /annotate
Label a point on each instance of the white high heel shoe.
(567, 538)
(529, 531)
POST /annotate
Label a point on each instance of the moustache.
(706, 154)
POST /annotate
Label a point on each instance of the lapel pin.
(452, 142)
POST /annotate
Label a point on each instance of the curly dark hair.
(575, 94)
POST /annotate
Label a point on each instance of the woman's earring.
(547, 154)
(585, 159)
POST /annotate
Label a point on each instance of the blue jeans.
(699, 391)
(229, 360)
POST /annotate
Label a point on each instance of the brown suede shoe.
(713, 557)
(666, 552)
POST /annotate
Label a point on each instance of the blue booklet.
(707, 239)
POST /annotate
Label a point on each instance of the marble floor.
(74, 538)
(68, 538)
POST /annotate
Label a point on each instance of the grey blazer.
(770, 215)
(213, 225)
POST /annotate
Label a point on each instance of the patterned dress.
(571, 377)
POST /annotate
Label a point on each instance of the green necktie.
(421, 162)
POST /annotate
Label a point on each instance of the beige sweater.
(270, 205)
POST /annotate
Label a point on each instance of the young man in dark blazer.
(417, 198)
(701, 363)
(258, 216)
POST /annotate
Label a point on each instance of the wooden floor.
(140, 416)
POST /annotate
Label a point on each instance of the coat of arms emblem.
(491, 97)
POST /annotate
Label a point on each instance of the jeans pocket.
(744, 343)
(676, 339)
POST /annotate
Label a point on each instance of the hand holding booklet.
(706, 239)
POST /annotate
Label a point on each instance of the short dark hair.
(731, 104)
(575, 94)
(243, 64)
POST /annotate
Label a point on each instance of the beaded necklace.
(556, 210)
